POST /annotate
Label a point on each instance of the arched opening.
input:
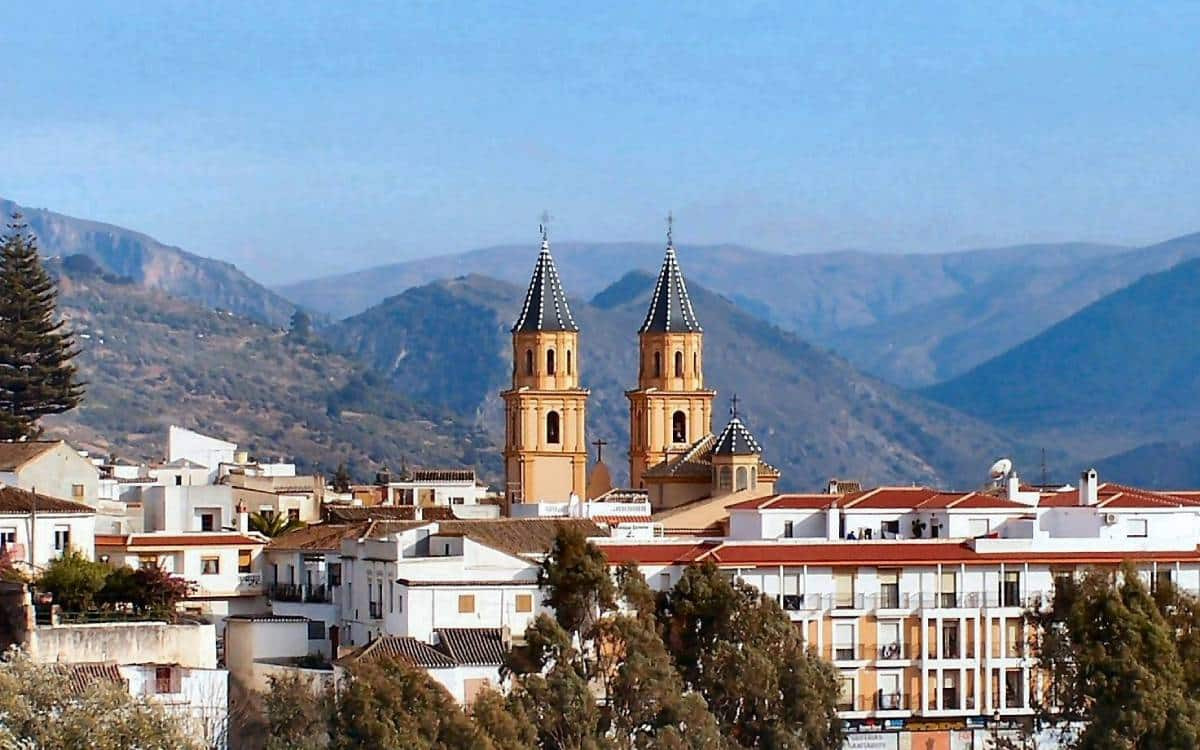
(679, 364)
(658, 364)
(696, 364)
(528, 361)
(679, 427)
(725, 478)
(753, 477)
(550, 362)
(569, 363)
(743, 478)
(552, 432)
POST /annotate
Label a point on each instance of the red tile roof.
(653, 553)
(786, 502)
(617, 520)
(199, 539)
(1119, 496)
(16, 500)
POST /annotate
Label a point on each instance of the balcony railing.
(845, 653)
(903, 600)
(951, 702)
(891, 701)
(894, 651)
(294, 592)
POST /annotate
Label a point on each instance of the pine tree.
(341, 479)
(37, 374)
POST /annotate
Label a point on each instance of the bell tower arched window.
(550, 362)
(658, 364)
(743, 478)
(725, 480)
(679, 364)
(696, 363)
(569, 363)
(552, 428)
(679, 427)
(528, 361)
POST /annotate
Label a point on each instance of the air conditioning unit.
(1110, 519)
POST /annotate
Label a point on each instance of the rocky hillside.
(448, 343)
(152, 359)
(209, 283)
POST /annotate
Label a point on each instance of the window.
(1010, 589)
(8, 536)
(743, 478)
(267, 512)
(1161, 580)
(843, 590)
(890, 698)
(949, 590)
(695, 363)
(889, 639)
(725, 478)
(1012, 638)
(524, 602)
(569, 362)
(679, 427)
(753, 477)
(77, 491)
(163, 680)
(206, 521)
(244, 556)
(293, 514)
(147, 561)
(528, 361)
(1014, 689)
(846, 694)
(334, 572)
(1137, 526)
(550, 362)
(658, 364)
(889, 530)
(552, 434)
(210, 566)
(391, 596)
(62, 538)
(679, 364)
(466, 603)
(889, 588)
(978, 527)
(843, 641)
(316, 630)
(178, 480)
(950, 691)
(950, 640)
(789, 529)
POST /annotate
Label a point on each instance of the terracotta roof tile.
(86, 675)
(656, 553)
(198, 539)
(353, 514)
(519, 536)
(16, 500)
(14, 454)
(404, 648)
(473, 646)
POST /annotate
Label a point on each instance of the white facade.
(53, 534)
(199, 698)
(58, 471)
(209, 452)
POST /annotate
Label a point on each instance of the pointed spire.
(670, 307)
(545, 307)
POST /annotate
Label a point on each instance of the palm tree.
(274, 525)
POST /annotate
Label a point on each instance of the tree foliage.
(275, 525)
(40, 708)
(74, 580)
(341, 478)
(149, 591)
(1115, 656)
(37, 373)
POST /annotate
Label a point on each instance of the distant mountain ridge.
(838, 299)
(1122, 372)
(448, 342)
(211, 283)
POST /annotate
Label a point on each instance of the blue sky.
(298, 139)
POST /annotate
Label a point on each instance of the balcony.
(891, 701)
(951, 701)
(376, 610)
(849, 601)
(894, 652)
(294, 592)
(845, 653)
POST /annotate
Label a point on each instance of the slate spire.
(670, 307)
(545, 307)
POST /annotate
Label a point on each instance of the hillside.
(210, 283)
(863, 305)
(152, 360)
(448, 342)
(1163, 466)
(1119, 373)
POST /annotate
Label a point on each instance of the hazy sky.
(297, 139)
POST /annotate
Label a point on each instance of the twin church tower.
(673, 453)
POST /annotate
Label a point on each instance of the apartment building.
(917, 595)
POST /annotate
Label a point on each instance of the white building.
(425, 488)
(49, 467)
(199, 450)
(53, 525)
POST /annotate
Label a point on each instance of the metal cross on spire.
(733, 401)
(670, 228)
(544, 226)
(599, 443)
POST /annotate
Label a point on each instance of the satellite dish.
(1001, 468)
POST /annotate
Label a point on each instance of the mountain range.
(448, 343)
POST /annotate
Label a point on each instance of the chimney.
(1088, 488)
(832, 487)
(243, 519)
(1012, 487)
(833, 522)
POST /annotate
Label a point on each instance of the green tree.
(41, 708)
(1114, 664)
(275, 525)
(740, 651)
(504, 722)
(341, 478)
(37, 373)
(296, 714)
(576, 581)
(74, 580)
(149, 591)
(300, 327)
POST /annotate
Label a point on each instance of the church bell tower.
(670, 410)
(545, 453)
